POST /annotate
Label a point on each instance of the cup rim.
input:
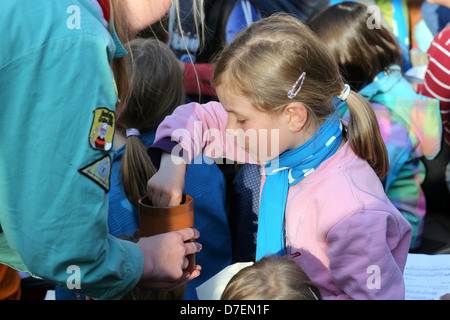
(186, 201)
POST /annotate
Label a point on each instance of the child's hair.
(360, 51)
(119, 65)
(138, 293)
(157, 89)
(273, 277)
(266, 59)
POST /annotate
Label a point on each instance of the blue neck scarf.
(293, 166)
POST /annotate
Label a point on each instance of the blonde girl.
(322, 202)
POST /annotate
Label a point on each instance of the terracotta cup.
(156, 220)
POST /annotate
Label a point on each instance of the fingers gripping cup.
(156, 220)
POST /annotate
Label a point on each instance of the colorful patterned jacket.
(411, 128)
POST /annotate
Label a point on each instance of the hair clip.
(291, 94)
(345, 93)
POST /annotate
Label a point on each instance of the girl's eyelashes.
(240, 121)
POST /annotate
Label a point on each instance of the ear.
(296, 115)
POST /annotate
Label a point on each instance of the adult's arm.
(53, 191)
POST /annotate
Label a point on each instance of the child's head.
(260, 67)
(271, 278)
(266, 59)
(157, 85)
(157, 88)
(127, 18)
(360, 51)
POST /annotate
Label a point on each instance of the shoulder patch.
(99, 171)
(102, 129)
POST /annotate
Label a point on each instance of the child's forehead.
(235, 104)
(231, 96)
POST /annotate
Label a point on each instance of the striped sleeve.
(437, 77)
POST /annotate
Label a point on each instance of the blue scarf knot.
(292, 167)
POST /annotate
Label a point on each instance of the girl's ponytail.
(364, 134)
(135, 170)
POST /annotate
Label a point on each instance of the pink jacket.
(340, 226)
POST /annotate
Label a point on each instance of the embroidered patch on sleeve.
(99, 171)
(102, 130)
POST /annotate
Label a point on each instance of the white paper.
(212, 288)
(50, 295)
(427, 277)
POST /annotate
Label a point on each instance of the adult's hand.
(165, 259)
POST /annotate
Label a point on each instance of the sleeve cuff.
(155, 150)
